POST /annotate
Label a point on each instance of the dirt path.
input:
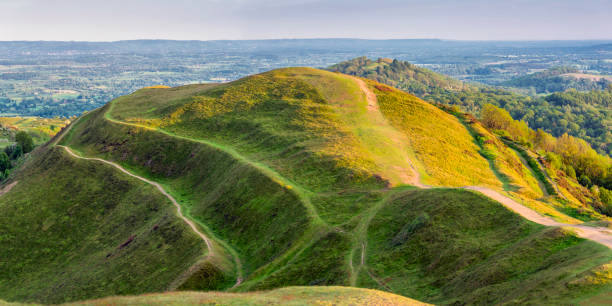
(533, 173)
(597, 234)
(159, 187)
(408, 174)
(8, 187)
(207, 240)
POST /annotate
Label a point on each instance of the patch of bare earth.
(7, 188)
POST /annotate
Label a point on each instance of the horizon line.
(320, 38)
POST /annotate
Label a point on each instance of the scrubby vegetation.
(571, 155)
(19, 136)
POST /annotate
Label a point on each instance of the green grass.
(445, 149)
(73, 229)
(332, 295)
(467, 248)
(291, 174)
(535, 166)
(228, 195)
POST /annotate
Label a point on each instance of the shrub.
(584, 180)
(5, 162)
(24, 140)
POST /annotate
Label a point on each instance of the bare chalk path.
(598, 234)
(206, 239)
(159, 187)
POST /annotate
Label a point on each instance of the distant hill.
(293, 177)
(399, 74)
(559, 79)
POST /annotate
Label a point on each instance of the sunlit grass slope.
(445, 148)
(285, 296)
(321, 120)
(73, 229)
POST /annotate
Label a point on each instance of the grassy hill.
(300, 177)
(585, 115)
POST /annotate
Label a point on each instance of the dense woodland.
(586, 115)
(566, 153)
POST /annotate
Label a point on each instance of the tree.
(24, 140)
(5, 162)
(13, 151)
(585, 180)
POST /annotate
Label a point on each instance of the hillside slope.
(69, 227)
(585, 115)
(300, 177)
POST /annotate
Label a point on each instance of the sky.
(110, 20)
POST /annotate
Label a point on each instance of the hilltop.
(293, 177)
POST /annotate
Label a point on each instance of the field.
(41, 129)
(591, 77)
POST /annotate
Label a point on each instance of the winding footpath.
(160, 188)
(194, 228)
(598, 234)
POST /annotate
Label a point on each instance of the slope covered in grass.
(322, 122)
(73, 229)
(445, 246)
(448, 154)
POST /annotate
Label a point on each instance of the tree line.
(572, 155)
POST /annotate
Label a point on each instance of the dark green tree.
(24, 140)
(5, 162)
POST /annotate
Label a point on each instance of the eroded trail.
(597, 234)
(194, 228)
(159, 187)
(407, 172)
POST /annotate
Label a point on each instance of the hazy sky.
(104, 20)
